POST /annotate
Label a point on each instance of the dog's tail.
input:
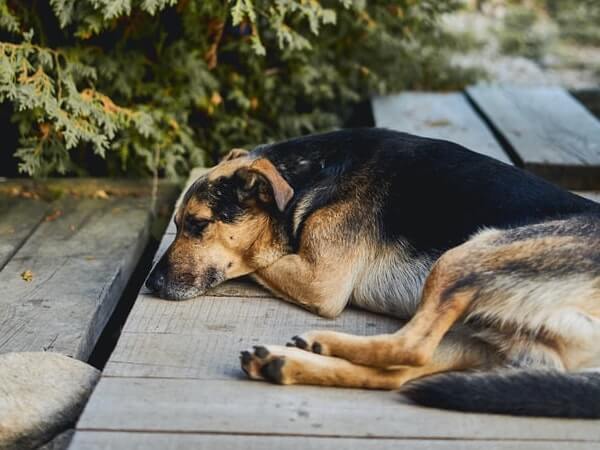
(540, 393)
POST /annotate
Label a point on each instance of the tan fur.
(321, 276)
(458, 352)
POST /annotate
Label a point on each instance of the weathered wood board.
(18, 219)
(80, 256)
(549, 131)
(99, 440)
(246, 407)
(202, 338)
(442, 116)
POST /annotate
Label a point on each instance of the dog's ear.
(235, 153)
(262, 173)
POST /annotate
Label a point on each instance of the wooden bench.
(546, 130)
(65, 263)
(441, 116)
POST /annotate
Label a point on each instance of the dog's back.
(432, 193)
(408, 199)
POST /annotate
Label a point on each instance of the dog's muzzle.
(183, 285)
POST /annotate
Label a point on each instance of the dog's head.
(222, 217)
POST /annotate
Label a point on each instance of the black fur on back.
(431, 194)
(540, 393)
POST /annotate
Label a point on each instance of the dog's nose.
(156, 281)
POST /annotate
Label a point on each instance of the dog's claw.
(261, 351)
(245, 357)
(300, 343)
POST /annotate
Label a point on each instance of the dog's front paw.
(310, 342)
(264, 363)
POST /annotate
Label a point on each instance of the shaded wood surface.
(80, 256)
(436, 115)
(549, 131)
(97, 440)
(18, 219)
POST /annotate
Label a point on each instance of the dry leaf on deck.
(27, 275)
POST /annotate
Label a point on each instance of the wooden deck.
(65, 263)
(174, 382)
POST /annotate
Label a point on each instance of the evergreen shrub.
(156, 86)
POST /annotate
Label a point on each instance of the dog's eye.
(194, 226)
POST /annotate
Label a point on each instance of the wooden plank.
(549, 131)
(18, 219)
(442, 116)
(81, 260)
(98, 440)
(231, 406)
(202, 338)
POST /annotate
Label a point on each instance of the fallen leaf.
(27, 275)
(101, 194)
(55, 215)
(438, 123)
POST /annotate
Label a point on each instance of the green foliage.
(579, 20)
(518, 35)
(164, 84)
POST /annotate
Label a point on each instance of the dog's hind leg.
(290, 365)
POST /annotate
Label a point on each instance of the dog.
(497, 270)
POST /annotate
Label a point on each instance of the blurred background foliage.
(140, 87)
(529, 28)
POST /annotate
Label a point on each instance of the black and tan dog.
(498, 270)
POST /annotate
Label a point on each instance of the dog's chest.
(391, 283)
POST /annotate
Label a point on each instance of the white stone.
(41, 394)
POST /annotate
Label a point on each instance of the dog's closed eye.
(195, 226)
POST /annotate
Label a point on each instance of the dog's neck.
(270, 245)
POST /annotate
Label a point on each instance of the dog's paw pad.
(272, 371)
(261, 364)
